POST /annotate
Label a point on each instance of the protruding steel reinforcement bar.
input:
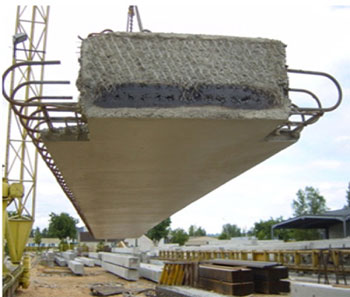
(40, 117)
(308, 115)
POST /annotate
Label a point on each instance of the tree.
(160, 231)
(37, 236)
(62, 226)
(45, 233)
(229, 231)
(196, 231)
(179, 236)
(309, 201)
(348, 195)
(262, 230)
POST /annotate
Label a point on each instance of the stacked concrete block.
(127, 261)
(123, 272)
(69, 255)
(125, 266)
(317, 290)
(86, 261)
(175, 291)
(156, 262)
(96, 257)
(47, 258)
(60, 261)
(151, 271)
(76, 267)
(130, 251)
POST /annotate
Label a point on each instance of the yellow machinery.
(20, 167)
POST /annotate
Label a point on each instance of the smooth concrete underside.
(134, 173)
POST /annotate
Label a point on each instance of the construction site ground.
(61, 282)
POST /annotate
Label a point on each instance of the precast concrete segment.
(127, 261)
(150, 271)
(169, 119)
(123, 70)
(133, 174)
(86, 261)
(60, 261)
(128, 274)
(299, 289)
(76, 267)
(175, 291)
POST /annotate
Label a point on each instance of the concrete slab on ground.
(128, 274)
(174, 291)
(69, 255)
(127, 261)
(299, 289)
(86, 261)
(60, 261)
(151, 271)
(76, 267)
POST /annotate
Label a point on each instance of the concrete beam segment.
(128, 274)
(69, 255)
(60, 261)
(170, 118)
(174, 291)
(94, 255)
(150, 271)
(129, 251)
(127, 261)
(317, 290)
(76, 267)
(171, 70)
(86, 261)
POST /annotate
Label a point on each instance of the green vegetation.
(179, 236)
(262, 230)
(160, 231)
(37, 236)
(229, 231)
(196, 231)
(62, 226)
(309, 201)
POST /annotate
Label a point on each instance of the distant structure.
(336, 223)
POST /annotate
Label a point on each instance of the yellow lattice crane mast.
(21, 156)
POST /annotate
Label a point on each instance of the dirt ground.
(61, 282)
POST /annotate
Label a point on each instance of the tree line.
(308, 201)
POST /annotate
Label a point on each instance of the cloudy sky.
(317, 38)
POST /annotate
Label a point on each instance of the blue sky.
(316, 36)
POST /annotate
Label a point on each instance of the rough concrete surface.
(170, 70)
(169, 119)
